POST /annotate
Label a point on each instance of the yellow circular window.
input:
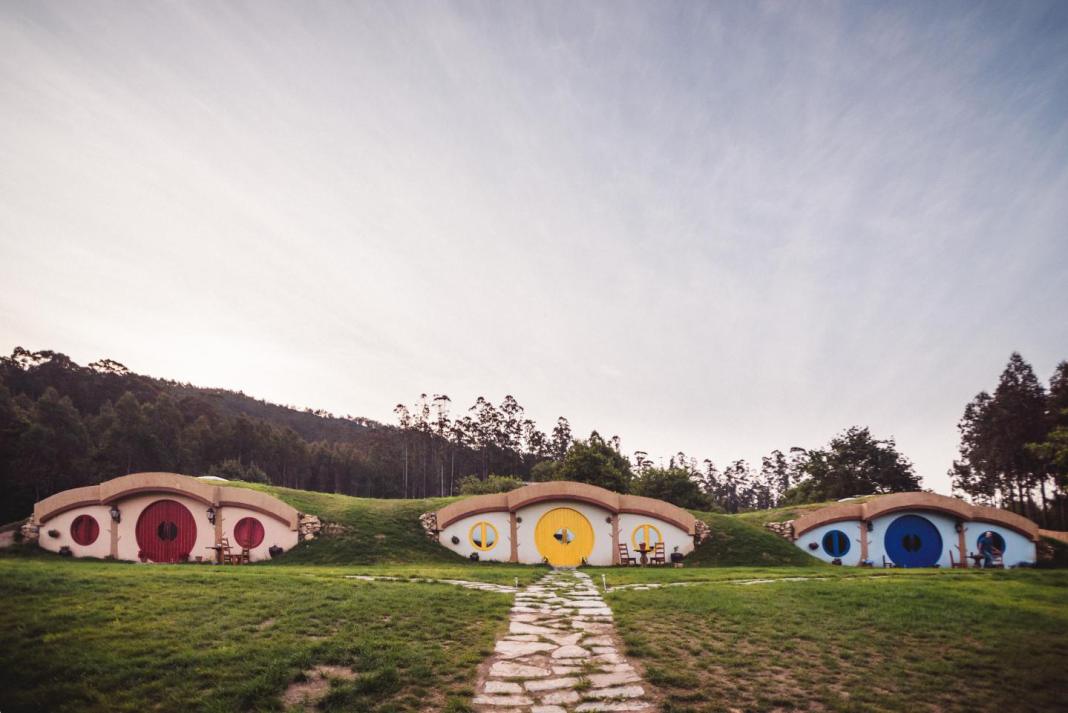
(483, 536)
(645, 533)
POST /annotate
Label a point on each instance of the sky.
(721, 228)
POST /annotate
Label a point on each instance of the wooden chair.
(887, 564)
(624, 556)
(658, 554)
(228, 556)
(954, 564)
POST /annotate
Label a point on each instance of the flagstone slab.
(515, 649)
(502, 701)
(507, 669)
(571, 652)
(548, 684)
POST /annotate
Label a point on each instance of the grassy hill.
(738, 542)
(372, 531)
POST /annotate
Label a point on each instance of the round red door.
(166, 531)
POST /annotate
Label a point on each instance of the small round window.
(84, 530)
(647, 535)
(564, 536)
(248, 532)
(835, 543)
(999, 541)
(483, 536)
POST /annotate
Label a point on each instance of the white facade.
(275, 532)
(61, 525)
(501, 550)
(602, 552)
(1018, 548)
(130, 508)
(673, 536)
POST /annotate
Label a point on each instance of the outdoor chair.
(228, 556)
(954, 564)
(887, 564)
(658, 554)
(624, 556)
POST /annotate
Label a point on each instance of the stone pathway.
(560, 654)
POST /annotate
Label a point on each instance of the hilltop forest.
(63, 425)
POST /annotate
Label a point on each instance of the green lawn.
(97, 636)
(940, 641)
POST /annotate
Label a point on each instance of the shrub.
(473, 485)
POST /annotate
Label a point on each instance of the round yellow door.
(564, 537)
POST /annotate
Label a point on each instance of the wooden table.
(218, 552)
(644, 555)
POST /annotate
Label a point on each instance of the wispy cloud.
(723, 229)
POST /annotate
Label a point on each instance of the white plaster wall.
(132, 507)
(673, 535)
(500, 552)
(275, 532)
(851, 528)
(1018, 549)
(600, 555)
(100, 548)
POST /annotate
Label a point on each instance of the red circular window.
(248, 532)
(84, 529)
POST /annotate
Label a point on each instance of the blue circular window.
(999, 541)
(835, 543)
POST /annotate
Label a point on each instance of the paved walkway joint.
(560, 654)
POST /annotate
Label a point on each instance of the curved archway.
(564, 536)
(166, 531)
(913, 541)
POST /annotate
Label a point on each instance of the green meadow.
(85, 635)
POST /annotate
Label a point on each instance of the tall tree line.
(1014, 445)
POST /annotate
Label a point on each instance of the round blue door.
(913, 541)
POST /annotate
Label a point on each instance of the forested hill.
(64, 425)
(90, 387)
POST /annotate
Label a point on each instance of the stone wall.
(701, 532)
(429, 521)
(308, 527)
(784, 530)
(30, 532)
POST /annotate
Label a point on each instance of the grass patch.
(739, 543)
(946, 641)
(95, 636)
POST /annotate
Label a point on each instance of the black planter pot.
(473, 557)
(65, 551)
(275, 551)
(677, 556)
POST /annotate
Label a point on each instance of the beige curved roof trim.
(566, 490)
(171, 483)
(886, 504)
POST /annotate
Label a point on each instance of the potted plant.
(65, 551)
(275, 551)
(142, 555)
(676, 556)
(473, 557)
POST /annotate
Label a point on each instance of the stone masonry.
(784, 530)
(560, 654)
